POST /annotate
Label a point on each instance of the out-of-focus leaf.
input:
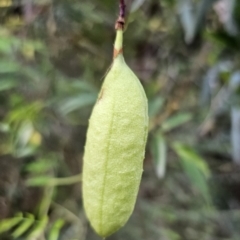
(24, 133)
(223, 40)
(24, 151)
(7, 66)
(187, 153)
(4, 127)
(235, 134)
(176, 121)
(87, 10)
(234, 84)
(83, 86)
(7, 84)
(7, 224)
(55, 230)
(234, 87)
(36, 45)
(155, 105)
(38, 181)
(8, 43)
(77, 102)
(38, 229)
(195, 168)
(136, 5)
(188, 20)
(25, 112)
(41, 165)
(210, 83)
(203, 8)
(32, 74)
(24, 226)
(192, 17)
(170, 234)
(225, 10)
(158, 149)
(22, 139)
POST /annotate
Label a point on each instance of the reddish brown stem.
(121, 18)
(122, 8)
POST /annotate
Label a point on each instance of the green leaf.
(24, 226)
(24, 134)
(7, 66)
(170, 234)
(4, 127)
(187, 153)
(5, 45)
(36, 45)
(24, 151)
(155, 105)
(41, 165)
(25, 112)
(7, 84)
(176, 121)
(195, 168)
(38, 229)
(7, 224)
(8, 42)
(77, 102)
(55, 230)
(158, 149)
(38, 181)
(83, 86)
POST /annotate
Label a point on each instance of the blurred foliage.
(53, 58)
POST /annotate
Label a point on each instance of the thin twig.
(121, 18)
(122, 9)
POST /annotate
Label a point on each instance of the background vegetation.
(53, 57)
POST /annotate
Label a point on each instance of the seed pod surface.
(115, 148)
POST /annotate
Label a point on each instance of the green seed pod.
(115, 147)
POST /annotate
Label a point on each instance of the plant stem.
(122, 9)
(66, 180)
(121, 18)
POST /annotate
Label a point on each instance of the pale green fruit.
(115, 148)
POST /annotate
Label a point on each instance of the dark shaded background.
(53, 57)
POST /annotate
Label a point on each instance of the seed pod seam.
(106, 163)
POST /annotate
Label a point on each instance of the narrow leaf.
(176, 121)
(7, 224)
(55, 230)
(9, 66)
(195, 168)
(159, 152)
(235, 134)
(7, 84)
(41, 165)
(24, 226)
(77, 102)
(155, 105)
(39, 228)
